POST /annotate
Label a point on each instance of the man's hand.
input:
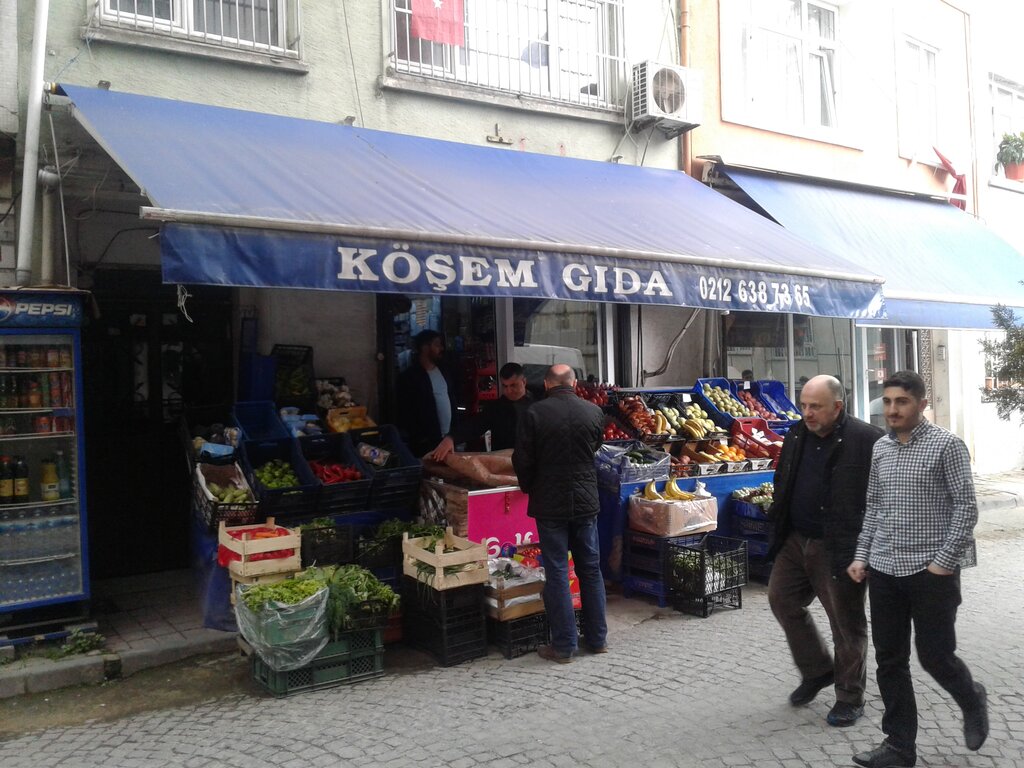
(444, 448)
(858, 570)
(938, 570)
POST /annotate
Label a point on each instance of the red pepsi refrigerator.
(44, 576)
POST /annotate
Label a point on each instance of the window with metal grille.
(779, 60)
(569, 51)
(269, 26)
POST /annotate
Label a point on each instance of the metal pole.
(27, 214)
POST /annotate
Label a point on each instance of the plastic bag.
(286, 637)
(615, 465)
(491, 469)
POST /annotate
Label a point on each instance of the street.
(675, 691)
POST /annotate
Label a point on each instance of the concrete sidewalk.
(157, 619)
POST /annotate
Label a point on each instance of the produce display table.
(613, 518)
(491, 516)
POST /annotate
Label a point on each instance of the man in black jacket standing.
(554, 461)
(426, 408)
(820, 491)
(501, 417)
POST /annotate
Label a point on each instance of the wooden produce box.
(472, 556)
(503, 594)
(246, 547)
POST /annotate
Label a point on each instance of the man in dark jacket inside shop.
(426, 407)
(554, 461)
(501, 417)
(820, 493)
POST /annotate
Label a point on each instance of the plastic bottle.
(21, 490)
(63, 474)
(6, 480)
(49, 484)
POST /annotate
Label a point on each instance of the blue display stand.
(613, 518)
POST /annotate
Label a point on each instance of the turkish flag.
(440, 21)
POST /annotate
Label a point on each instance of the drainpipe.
(685, 163)
(27, 214)
(49, 181)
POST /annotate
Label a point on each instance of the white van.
(537, 358)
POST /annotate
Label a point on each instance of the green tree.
(1005, 361)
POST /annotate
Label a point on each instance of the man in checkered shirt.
(918, 523)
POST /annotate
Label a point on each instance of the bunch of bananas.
(672, 492)
(697, 424)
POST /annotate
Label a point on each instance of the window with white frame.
(569, 51)
(262, 26)
(1007, 110)
(779, 61)
(917, 99)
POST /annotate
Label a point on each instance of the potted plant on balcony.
(1011, 155)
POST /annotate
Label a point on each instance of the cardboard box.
(673, 518)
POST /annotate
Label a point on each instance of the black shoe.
(843, 714)
(808, 689)
(885, 756)
(549, 653)
(976, 721)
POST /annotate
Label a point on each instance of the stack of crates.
(352, 657)
(643, 564)
(450, 624)
(750, 523)
(703, 576)
(518, 637)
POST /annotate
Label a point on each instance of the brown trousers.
(801, 573)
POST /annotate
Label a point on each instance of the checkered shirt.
(920, 504)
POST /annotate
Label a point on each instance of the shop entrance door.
(143, 363)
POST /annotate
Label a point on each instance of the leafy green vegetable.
(287, 592)
(355, 594)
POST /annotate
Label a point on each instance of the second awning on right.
(942, 268)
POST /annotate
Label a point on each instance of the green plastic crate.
(329, 668)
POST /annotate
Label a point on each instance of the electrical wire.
(11, 206)
(351, 56)
(63, 213)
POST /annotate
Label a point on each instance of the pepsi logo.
(7, 308)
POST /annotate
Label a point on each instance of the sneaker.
(885, 756)
(976, 721)
(548, 653)
(843, 714)
(808, 689)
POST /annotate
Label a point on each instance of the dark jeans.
(802, 572)
(930, 602)
(557, 538)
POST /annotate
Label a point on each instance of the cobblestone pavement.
(675, 691)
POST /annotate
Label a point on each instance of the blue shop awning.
(942, 268)
(251, 199)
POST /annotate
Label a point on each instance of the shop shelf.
(396, 484)
(288, 504)
(714, 565)
(258, 420)
(350, 496)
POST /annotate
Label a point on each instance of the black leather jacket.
(847, 467)
(554, 456)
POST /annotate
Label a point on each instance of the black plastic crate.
(396, 484)
(695, 571)
(645, 585)
(517, 637)
(439, 603)
(294, 379)
(704, 606)
(450, 645)
(288, 504)
(450, 624)
(338, 498)
(373, 554)
(213, 512)
(645, 552)
(327, 545)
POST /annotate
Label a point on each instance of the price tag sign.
(746, 385)
(687, 398)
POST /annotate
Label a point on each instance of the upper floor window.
(779, 61)
(917, 100)
(569, 51)
(1007, 110)
(268, 26)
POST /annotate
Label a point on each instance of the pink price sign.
(500, 518)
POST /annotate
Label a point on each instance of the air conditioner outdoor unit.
(667, 96)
